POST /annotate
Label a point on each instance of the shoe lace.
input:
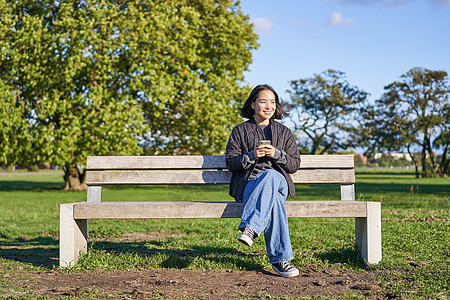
(286, 266)
(249, 232)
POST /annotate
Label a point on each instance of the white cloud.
(337, 19)
(261, 25)
(440, 2)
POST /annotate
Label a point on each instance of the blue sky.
(373, 41)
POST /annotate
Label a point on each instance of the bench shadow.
(183, 258)
(44, 252)
(35, 186)
(179, 258)
(349, 255)
(39, 252)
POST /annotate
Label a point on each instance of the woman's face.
(264, 107)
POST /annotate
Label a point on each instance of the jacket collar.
(252, 120)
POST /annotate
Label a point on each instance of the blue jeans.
(264, 211)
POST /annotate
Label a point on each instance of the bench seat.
(208, 210)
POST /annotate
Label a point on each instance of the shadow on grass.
(35, 186)
(402, 188)
(44, 252)
(179, 258)
(39, 252)
(349, 255)
(332, 192)
(38, 186)
(185, 258)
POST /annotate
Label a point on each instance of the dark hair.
(249, 113)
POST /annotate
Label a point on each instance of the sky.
(373, 42)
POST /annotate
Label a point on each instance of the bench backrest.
(198, 169)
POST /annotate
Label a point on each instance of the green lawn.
(415, 231)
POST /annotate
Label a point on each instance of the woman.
(261, 175)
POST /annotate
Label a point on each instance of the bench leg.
(94, 193)
(348, 192)
(368, 234)
(72, 236)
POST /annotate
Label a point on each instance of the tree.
(83, 71)
(381, 129)
(413, 113)
(192, 91)
(325, 108)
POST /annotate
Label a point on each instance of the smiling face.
(264, 107)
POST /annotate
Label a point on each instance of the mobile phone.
(264, 142)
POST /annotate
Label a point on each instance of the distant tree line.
(412, 116)
(388, 160)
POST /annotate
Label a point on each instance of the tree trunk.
(416, 164)
(74, 180)
(425, 165)
(444, 166)
(434, 168)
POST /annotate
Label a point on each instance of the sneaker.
(247, 236)
(285, 269)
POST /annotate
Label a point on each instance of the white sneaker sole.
(246, 240)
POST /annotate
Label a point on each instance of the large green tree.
(413, 115)
(324, 109)
(191, 73)
(89, 77)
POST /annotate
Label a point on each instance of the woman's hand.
(264, 150)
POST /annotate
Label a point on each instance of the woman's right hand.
(260, 151)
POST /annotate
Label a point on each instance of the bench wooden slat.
(155, 162)
(157, 177)
(188, 210)
(307, 176)
(324, 176)
(202, 162)
(340, 161)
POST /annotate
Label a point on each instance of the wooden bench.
(182, 170)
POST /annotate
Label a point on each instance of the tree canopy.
(90, 77)
(412, 115)
(325, 108)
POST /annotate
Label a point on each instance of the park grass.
(415, 231)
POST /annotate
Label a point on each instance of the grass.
(415, 231)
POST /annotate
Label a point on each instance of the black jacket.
(240, 160)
